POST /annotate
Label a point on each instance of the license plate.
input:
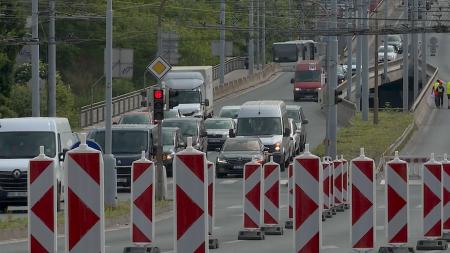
(121, 180)
(238, 167)
(17, 194)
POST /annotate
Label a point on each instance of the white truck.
(190, 90)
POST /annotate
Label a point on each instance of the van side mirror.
(62, 155)
(292, 80)
(231, 133)
(287, 132)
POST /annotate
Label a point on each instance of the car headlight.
(167, 157)
(319, 89)
(297, 89)
(277, 146)
(221, 160)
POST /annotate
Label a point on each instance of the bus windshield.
(308, 76)
(285, 53)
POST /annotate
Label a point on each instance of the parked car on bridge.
(190, 127)
(238, 151)
(128, 142)
(391, 54)
(396, 41)
(218, 130)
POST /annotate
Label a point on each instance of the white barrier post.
(213, 242)
(191, 203)
(345, 177)
(327, 201)
(42, 199)
(289, 224)
(84, 205)
(307, 203)
(337, 176)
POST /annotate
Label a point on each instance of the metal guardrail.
(94, 113)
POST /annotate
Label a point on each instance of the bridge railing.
(94, 113)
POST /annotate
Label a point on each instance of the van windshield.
(259, 126)
(185, 97)
(15, 145)
(308, 76)
(123, 142)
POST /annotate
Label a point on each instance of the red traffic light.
(158, 94)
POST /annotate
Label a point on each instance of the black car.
(190, 127)
(236, 152)
(128, 142)
(218, 130)
(172, 143)
(295, 112)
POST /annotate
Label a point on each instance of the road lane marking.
(381, 206)
(283, 207)
(380, 228)
(235, 207)
(228, 181)
(284, 182)
(419, 206)
(231, 242)
(330, 247)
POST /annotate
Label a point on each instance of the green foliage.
(122, 86)
(23, 72)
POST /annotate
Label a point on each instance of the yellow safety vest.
(448, 88)
(436, 84)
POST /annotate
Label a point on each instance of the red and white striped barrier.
(397, 201)
(290, 194)
(191, 203)
(362, 174)
(143, 206)
(211, 195)
(84, 215)
(271, 190)
(307, 203)
(446, 192)
(338, 197)
(252, 195)
(326, 184)
(42, 205)
(432, 198)
(345, 177)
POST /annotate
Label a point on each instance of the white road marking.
(415, 182)
(235, 207)
(383, 182)
(216, 228)
(283, 206)
(379, 227)
(283, 182)
(228, 181)
(381, 206)
(231, 242)
(419, 206)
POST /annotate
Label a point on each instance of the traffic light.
(158, 104)
(337, 98)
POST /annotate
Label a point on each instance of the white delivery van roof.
(183, 80)
(37, 124)
(266, 108)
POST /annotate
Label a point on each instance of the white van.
(267, 120)
(20, 139)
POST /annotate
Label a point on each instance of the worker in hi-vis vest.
(448, 95)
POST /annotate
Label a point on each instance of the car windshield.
(307, 76)
(123, 141)
(259, 126)
(241, 145)
(185, 97)
(168, 137)
(217, 124)
(389, 49)
(26, 144)
(135, 119)
(187, 128)
(229, 113)
(394, 39)
(171, 114)
(340, 70)
(293, 114)
(285, 53)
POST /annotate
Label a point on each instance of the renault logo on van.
(16, 174)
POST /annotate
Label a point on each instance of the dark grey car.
(218, 130)
(190, 127)
(238, 151)
(295, 112)
(128, 142)
(172, 143)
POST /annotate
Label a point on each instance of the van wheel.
(3, 208)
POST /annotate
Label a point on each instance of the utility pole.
(349, 53)
(332, 82)
(365, 65)
(109, 160)
(35, 99)
(263, 46)
(222, 43)
(385, 44)
(375, 98)
(415, 51)
(358, 22)
(424, 47)
(51, 100)
(405, 64)
(251, 50)
(258, 37)
(290, 19)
